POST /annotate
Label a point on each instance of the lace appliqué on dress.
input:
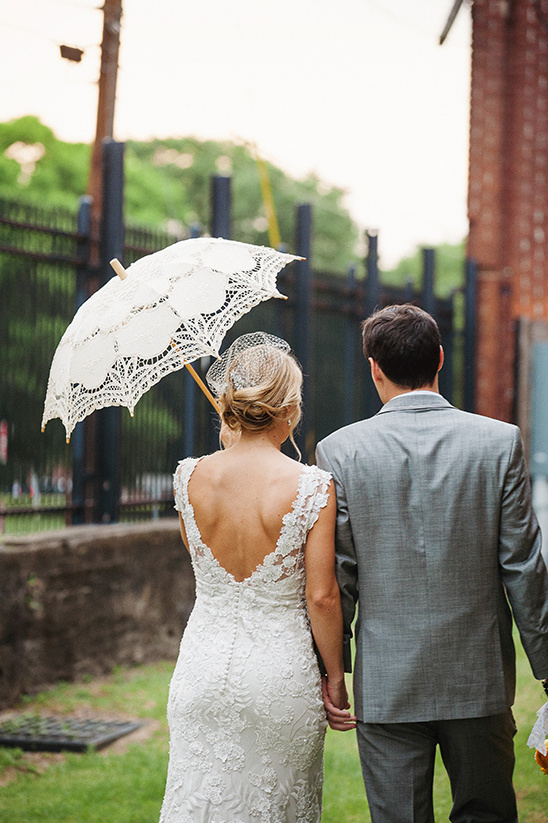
(247, 722)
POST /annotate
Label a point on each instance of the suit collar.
(411, 401)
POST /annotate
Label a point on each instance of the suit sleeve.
(522, 565)
(346, 564)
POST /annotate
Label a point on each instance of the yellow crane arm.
(268, 202)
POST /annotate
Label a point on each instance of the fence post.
(446, 375)
(220, 206)
(189, 391)
(303, 303)
(189, 412)
(409, 293)
(372, 289)
(109, 424)
(469, 400)
(221, 226)
(195, 230)
(428, 270)
(350, 353)
(372, 301)
(79, 473)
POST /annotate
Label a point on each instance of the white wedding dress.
(246, 719)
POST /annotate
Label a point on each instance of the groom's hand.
(335, 701)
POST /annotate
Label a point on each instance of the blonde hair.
(259, 407)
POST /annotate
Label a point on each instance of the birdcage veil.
(250, 361)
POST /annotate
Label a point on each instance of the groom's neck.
(390, 390)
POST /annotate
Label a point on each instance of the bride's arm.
(324, 608)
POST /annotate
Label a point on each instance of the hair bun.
(248, 362)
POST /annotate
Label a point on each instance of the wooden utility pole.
(87, 473)
(110, 45)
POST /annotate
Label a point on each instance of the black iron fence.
(44, 264)
(43, 269)
(38, 262)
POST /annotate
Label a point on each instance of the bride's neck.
(270, 439)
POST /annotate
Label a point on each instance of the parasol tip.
(42, 429)
(68, 439)
(118, 268)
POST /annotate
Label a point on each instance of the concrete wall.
(82, 600)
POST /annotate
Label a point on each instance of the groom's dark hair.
(405, 341)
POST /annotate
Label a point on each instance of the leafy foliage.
(449, 269)
(59, 176)
(168, 183)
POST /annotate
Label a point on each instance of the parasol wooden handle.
(203, 387)
(118, 268)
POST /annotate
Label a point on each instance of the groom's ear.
(442, 358)
(376, 371)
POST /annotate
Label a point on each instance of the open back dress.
(246, 719)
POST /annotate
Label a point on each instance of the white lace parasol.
(174, 306)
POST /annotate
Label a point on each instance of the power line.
(450, 20)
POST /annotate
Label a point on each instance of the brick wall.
(508, 193)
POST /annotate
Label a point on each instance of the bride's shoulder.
(309, 474)
(184, 469)
(320, 475)
(180, 481)
(186, 463)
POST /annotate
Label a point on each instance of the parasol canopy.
(168, 309)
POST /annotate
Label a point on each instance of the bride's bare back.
(240, 497)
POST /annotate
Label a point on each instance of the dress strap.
(180, 482)
(313, 495)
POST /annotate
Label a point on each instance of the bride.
(245, 711)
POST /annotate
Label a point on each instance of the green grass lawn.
(125, 783)
(16, 523)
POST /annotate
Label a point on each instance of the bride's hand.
(335, 700)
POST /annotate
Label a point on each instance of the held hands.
(335, 700)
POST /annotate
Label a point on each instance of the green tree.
(59, 175)
(167, 185)
(449, 272)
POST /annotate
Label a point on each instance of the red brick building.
(508, 186)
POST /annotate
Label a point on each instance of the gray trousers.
(397, 761)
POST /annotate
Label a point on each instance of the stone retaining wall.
(85, 599)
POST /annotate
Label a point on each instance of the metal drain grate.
(55, 734)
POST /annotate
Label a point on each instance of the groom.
(437, 539)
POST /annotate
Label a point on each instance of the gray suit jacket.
(436, 534)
